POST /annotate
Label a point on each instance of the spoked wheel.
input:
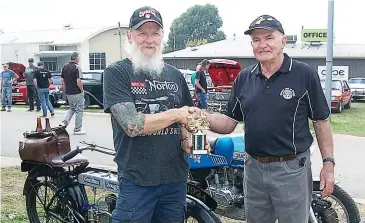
(196, 216)
(42, 194)
(337, 208)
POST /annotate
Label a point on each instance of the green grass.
(350, 121)
(13, 202)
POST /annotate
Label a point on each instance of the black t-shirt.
(70, 73)
(42, 75)
(202, 81)
(276, 110)
(148, 159)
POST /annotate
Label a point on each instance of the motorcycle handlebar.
(78, 150)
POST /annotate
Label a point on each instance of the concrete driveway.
(349, 150)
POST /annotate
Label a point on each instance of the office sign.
(314, 35)
(338, 72)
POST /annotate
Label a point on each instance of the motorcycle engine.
(106, 206)
(229, 197)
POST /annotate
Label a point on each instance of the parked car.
(19, 89)
(93, 87)
(341, 95)
(357, 85)
(56, 91)
(187, 75)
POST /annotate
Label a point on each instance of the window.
(97, 61)
(50, 63)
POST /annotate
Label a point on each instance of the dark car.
(56, 90)
(93, 87)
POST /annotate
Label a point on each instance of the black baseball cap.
(30, 60)
(143, 15)
(265, 22)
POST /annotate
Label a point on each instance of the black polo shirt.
(276, 110)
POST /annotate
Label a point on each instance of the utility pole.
(120, 40)
(329, 58)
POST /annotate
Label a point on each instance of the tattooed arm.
(135, 123)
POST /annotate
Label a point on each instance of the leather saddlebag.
(43, 145)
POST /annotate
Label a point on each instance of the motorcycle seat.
(78, 159)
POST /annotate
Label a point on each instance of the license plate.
(18, 94)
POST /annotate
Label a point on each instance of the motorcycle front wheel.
(342, 207)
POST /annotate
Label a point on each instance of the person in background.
(8, 77)
(193, 75)
(31, 89)
(71, 80)
(201, 86)
(42, 80)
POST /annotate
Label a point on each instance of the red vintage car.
(341, 95)
(220, 77)
(19, 89)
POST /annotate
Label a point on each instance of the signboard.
(338, 72)
(314, 35)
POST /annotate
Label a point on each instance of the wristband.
(329, 160)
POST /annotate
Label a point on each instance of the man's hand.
(187, 145)
(327, 179)
(10, 82)
(183, 114)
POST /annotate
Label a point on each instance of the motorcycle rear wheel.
(350, 211)
(60, 209)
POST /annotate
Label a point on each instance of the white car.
(357, 86)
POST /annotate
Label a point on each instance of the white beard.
(151, 66)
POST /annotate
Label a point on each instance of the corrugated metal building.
(239, 49)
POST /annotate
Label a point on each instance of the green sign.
(314, 35)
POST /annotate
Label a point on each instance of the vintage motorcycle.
(56, 191)
(221, 176)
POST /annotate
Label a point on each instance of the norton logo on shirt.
(142, 87)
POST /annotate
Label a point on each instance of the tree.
(198, 25)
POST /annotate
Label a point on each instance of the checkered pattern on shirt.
(139, 90)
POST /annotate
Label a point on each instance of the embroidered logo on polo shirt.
(287, 93)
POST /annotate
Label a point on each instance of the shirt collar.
(286, 66)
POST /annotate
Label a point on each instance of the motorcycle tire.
(347, 202)
(31, 197)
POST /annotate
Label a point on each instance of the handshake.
(192, 118)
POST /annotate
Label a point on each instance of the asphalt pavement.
(349, 150)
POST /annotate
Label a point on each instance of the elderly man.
(275, 98)
(148, 101)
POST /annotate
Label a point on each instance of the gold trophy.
(196, 125)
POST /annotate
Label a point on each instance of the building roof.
(240, 47)
(62, 36)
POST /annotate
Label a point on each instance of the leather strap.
(57, 142)
(271, 159)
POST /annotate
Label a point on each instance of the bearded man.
(148, 103)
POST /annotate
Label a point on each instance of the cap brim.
(144, 21)
(249, 31)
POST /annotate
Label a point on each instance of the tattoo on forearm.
(127, 116)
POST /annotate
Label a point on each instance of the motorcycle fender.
(202, 196)
(34, 171)
(202, 209)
